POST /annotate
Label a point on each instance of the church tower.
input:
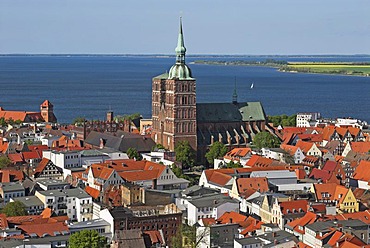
(174, 102)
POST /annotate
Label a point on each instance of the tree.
(185, 154)
(216, 150)
(157, 147)
(3, 122)
(78, 121)
(132, 153)
(87, 239)
(15, 208)
(265, 139)
(4, 162)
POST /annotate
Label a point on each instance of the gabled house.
(331, 172)
(309, 149)
(357, 147)
(288, 211)
(297, 226)
(215, 179)
(362, 175)
(295, 152)
(100, 177)
(47, 170)
(238, 155)
(336, 195)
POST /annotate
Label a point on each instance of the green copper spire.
(180, 49)
(235, 96)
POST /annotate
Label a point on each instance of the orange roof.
(255, 183)
(155, 237)
(208, 221)
(44, 162)
(134, 176)
(3, 222)
(258, 161)
(360, 147)
(237, 153)
(303, 245)
(334, 191)
(217, 177)
(362, 171)
(45, 229)
(14, 115)
(251, 225)
(364, 216)
(354, 131)
(304, 146)
(4, 146)
(296, 206)
(38, 147)
(308, 218)
(31, 155)
(100, 171)
(16, 157)
(317, 138)
(336, 236)
(11, 175)
(328, 131)
(94, 193)
(231, 217)
(290, 149)
(47, 213)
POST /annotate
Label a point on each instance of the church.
(177, 117)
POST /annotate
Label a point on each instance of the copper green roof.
(229, 112)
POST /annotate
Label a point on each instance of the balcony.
(62, 206)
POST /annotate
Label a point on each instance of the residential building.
(52, 184)
(11, 190)
(47, 170)
(75, 203)
(217, 235)
(33, 205)
(287, 211)
(304, 119)
(210, 206)
(101, 226)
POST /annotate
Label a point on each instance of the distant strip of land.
(344, 68)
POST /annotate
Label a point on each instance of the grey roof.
(274, 174)
(12, 186)
(77, 192)
(198, 190)
(324, 226)
(121, 142)
(211, 200)
(29, 201)
(229, 112)
(51, 182)
(249, 241)
(129, 238)
(279, 236)
(88, 224)
(92, 153)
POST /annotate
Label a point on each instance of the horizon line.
(173, 55)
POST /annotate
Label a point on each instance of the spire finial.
(180, 49)
(235, 95)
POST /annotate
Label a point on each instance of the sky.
(254, 27)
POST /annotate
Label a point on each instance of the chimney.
(154, 184)
(101, 145)
(110, 116)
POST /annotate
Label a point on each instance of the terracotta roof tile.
(155, 237)
(16, 157)
(360, 147)
(255, 183)
(231, 217)
(217, 177)
(45, 229)
(94, 193)
(362, 171)
(297, 206)
(44, 162)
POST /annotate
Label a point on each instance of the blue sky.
(210, 26)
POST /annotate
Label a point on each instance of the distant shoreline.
(361, 69)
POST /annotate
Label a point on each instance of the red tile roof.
(362, 171)
(31, 155)
(255, 184)
(304, 146)
(231, 217)
(308, 218)
(335, 191)
(44, 162)
(237, 153)
(360, 147)
(16, 157)
(94, 193)
(217, 177)
(45, 229)
(297, 206)
(155, 237)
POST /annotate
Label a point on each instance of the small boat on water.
(252, 86)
